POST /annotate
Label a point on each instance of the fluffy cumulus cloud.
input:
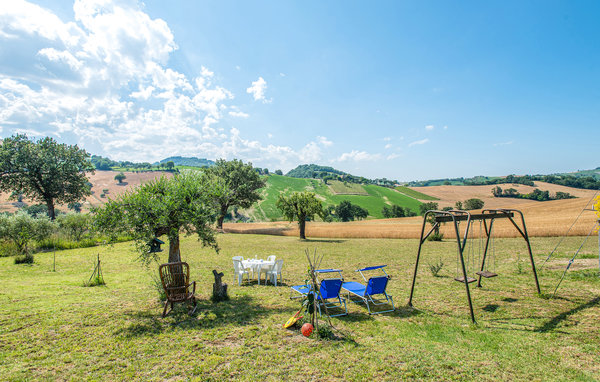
(102, 80)
(258, 89)
(358, 156)
(429, 127)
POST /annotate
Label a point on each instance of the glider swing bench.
(486, 218)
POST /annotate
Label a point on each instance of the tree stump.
(219, 288)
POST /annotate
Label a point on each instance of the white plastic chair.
(239, 271)
(271, 258)
(274, 272)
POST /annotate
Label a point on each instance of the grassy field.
(415, 194)
(374, 198)
(53, 328)
(341, 188)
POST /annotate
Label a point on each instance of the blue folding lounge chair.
(329, 292)
(375, 286)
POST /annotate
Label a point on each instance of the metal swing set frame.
(456, 216)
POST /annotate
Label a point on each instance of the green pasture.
(415, 194)
(346, 188)
(53, 328)
(376, 198)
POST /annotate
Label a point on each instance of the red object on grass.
(307, 329)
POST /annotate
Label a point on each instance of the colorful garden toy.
(307, 329)
(292, 321)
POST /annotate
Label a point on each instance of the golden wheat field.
(101, 180)
(549, 218)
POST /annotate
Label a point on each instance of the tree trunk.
(302, 224)
(50, 205)
(174, 255)
(222, 214)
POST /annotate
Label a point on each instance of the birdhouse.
(155, 245)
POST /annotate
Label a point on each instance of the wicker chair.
(175, 278)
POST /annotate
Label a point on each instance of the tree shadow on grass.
(491, 308)
(556, 320)
(238, 311)
(335, 241)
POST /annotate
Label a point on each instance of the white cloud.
(429, 127)
(421, 142)
(269, 135)
(387, 139)
(445, 127)
(388, 146)
(503, 143)
(282, 74)
(324, 141)
(239, 114)
(358, 156)
(258, 89)
(392, 156)
(102, 79)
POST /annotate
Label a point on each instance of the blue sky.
(403, 90)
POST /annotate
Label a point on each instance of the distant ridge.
(315, 171)
(188, 161)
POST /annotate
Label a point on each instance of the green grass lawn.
(51, 327)
(374, 199)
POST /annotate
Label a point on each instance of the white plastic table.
(258, 265)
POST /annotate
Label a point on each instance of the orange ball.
(307, 329)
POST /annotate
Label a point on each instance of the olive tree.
(75, 225)
(22, 228)
(300, 206)
(165, 206)
(241, 183)
(44, 171)
(120, 177)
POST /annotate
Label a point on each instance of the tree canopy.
(346, 211)
(300, 206)
(240, 185)
(162, 207)
(120, 177)
(44, 171)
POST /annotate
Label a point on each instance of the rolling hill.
(371, 197)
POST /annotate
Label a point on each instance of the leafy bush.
(394, 212)
(36, 210)
(436, 236)
(22, 228)
(75, 225)
(436, 267)
(473, 204)
(346, 211)
(24, 259)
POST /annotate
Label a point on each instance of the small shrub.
(519, 266)
(436, 237)
(102, 195)
(7, 249)
(25, 259)
(95, 281)
(436, 267)
(157, 284)
(326, 333)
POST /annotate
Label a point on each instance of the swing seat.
(486, 274)
(461, 279)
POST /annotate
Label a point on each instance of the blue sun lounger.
(375, 286)
(329, 292)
